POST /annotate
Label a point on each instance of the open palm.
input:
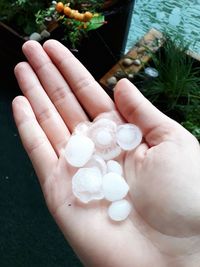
(163, 172)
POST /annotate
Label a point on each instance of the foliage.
(75, 30)
(192, 116)
(28, 16)
(21, 14)
(84, 5)
(176, 91)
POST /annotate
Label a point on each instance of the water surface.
(182, 17)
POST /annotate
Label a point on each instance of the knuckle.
(44, 115)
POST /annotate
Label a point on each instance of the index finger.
(88, 91)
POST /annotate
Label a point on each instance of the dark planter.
(10, 46)
(105, 46)
(98, 52)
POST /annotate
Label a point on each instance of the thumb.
(135, 108)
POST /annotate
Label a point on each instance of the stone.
(137, 62)
(127, 62)
(112, 81)
(141, 49)
(45, 34)
(151, 72)
(35, 36)
(120, 74)
(131, 76)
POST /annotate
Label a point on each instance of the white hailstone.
(129, 136)
(82, 128)
(97, 162)
(87, 184)
(114, 166)
(79, 150)
(103, 134)
(114, 186)
(104, 122)
(119, 210)
(110, 152)
(104, 137)
(110, 117)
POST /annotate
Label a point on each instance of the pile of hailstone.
(92, 149)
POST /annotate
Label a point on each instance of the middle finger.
(55, 85)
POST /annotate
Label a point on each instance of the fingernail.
(22, 108)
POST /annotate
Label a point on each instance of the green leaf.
(96, 22)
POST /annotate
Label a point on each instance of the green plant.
(76, 18)
(176, 91)
(20, 14)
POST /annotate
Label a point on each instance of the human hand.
(163, 172)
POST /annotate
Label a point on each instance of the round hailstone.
(114, 166)
(79, 150)
(129, 136)
(82, 128)
(104, 122)
(114, 186)
(109, 152)
(87, 184)
(104, 137)
(119, 210)
(103, 134)
(97, 162)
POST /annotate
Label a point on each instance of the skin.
(163, 172)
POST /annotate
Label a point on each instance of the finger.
(54, 84)
(138, 110)
(36, 144)
(89, 93)
(45, 112)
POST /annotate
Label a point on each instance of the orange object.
(59, 7)
(78, 16)
(72, 13)
(87, 16)
(67, 11)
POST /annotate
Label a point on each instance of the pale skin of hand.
(163, 172)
